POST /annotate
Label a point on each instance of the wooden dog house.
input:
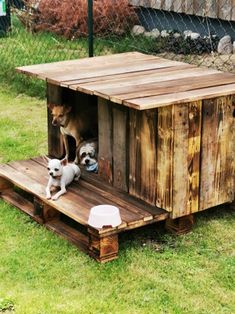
(166, 146)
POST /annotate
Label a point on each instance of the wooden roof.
(136, 80)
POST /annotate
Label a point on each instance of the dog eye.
(48, 168)
(91, 155)
(56, 169)
(83, 155)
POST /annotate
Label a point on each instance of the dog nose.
(87, 161)
(51, 173)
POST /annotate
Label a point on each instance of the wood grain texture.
(120, 153)
(217, 158)
(105, 138)
(164, 152)
(55, 141)
(187, 140)
(142, 155)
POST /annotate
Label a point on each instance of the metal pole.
(90, 27)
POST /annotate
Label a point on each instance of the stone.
(164, 33)
(194, 36)
(155, 33)
(137, 30)
(176, 35)
(187, 33)
(225, 45)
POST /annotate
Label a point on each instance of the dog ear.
(50, 106)
(46, 159)
(64, 162)
(68, 108)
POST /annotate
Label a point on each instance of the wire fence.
(39, 31)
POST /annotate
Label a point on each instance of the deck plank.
(144, 103)
(80, 197)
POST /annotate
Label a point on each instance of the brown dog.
(80, 122)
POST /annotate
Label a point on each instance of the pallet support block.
(103, 249)
(180, 225)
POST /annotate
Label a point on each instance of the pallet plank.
(120, 153)
(105, 139)
(217, 160)
(142, 155)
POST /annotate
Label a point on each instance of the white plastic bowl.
(104, 215)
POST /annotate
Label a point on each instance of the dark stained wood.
(180, 225)
(186, 160)
(80, 197)
(5, 184)
(55, 141)
(164, 161)
(103, 249)
(217, 158)
(105, 138)
(142, 155)
(120, 152)
(15, 199)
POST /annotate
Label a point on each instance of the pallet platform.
(22, 184)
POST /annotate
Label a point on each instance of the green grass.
(155, 272)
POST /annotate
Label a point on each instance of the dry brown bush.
(69, 17)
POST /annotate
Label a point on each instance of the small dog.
(61, 174)
(77, 121)
(88, 155)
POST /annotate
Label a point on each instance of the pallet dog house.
(166, 147)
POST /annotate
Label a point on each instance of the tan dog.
(78, 121)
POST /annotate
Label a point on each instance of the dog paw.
(48, 197)
(54, 198)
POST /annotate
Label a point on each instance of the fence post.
(90, 27)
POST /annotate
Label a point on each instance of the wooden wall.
(223, 9)
(179, 158)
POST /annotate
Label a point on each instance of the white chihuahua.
(61, 174)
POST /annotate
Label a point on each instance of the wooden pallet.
(22, 184)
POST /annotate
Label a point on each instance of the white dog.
(61, 174)
(88, 155)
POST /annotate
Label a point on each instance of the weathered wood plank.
(187, 140)
(194, 83)
(217, 159)
(105, 139)
(179, 98)
(164, 158)
(55, 141)
(142, 155)
(120, 164)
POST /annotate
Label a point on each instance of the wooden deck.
(136, 80)
(22, 183)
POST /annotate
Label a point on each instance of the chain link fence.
(38, 31)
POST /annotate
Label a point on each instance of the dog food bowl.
(104, 215)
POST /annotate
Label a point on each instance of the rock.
(164, 33)
(176, 35)
(155, 33)
(194, 36)
(225, 45)
(187, 33)
(137, 30)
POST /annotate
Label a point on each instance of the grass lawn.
(155, 272)
(41, 273)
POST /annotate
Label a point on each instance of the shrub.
(69, 17)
